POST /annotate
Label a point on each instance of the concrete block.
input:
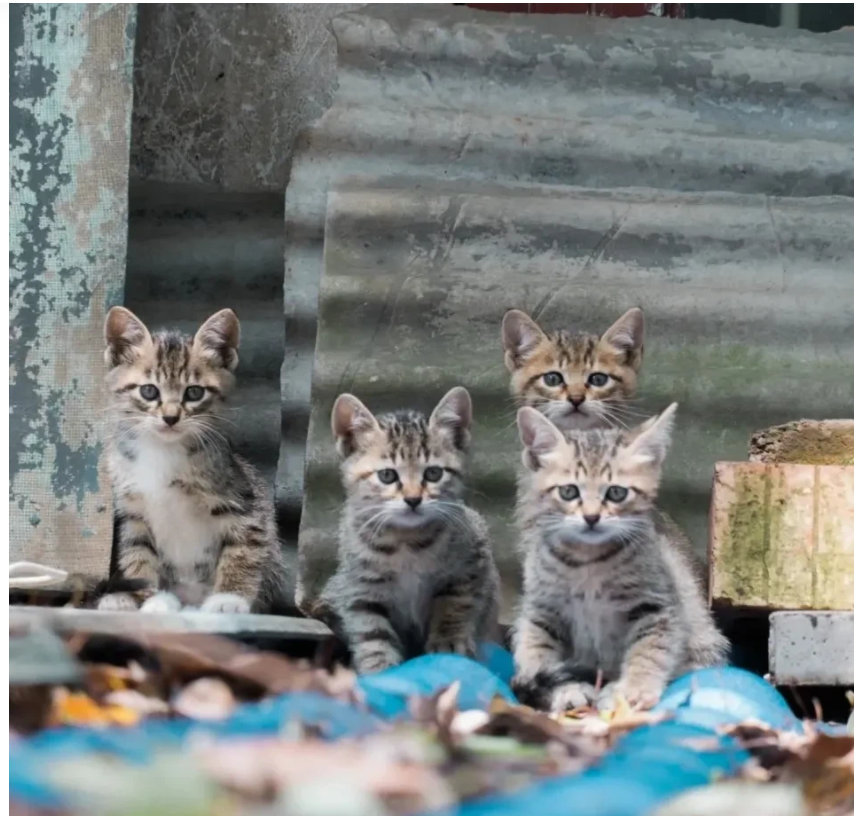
(811, 648)
(805, 442)
(781, 536)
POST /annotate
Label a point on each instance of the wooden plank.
(65, 620)
(781, 536)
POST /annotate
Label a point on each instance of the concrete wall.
(221, 90)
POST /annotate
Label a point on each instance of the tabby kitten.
(194, 517)
(578, 381)
(416, 571)
(606, 585)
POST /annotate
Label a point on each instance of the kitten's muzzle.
(591, 520)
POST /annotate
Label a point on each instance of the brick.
(781, 536)
(813, 648)
(805, 442)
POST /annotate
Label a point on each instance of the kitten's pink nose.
(576, 401)
(592, 520)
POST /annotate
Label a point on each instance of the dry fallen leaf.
(77, 708)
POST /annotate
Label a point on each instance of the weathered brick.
(805, 442)
(781, 536)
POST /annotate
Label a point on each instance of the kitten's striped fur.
(606, 584)
(559, 373)
(194, 518)
(416, 571)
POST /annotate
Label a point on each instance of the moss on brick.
(741, 561)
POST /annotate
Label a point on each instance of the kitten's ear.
(651, 439)
(539, 436)
(454, 415)
(350, 420)
(218, 339)
(126, 336)
(627, 333)
(520, 337)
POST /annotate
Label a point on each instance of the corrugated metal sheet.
(70, 117)
(418, 273)
(748, 303)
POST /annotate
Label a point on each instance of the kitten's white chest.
(182, 527)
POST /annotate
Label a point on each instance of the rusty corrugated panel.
(430, 94)
(69, 125)
(748, 303)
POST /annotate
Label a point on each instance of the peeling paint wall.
(70, 110)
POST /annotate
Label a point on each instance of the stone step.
(742, 294)
(781, 537)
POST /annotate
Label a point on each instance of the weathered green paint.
(70, 107)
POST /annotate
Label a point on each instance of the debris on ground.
(202, 730)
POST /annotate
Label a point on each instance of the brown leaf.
(186, 656)
(530, 727)
(29, 707)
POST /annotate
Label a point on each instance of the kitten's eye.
(616, 493)
(193, 393)
(433, 474)
(553, 379)
(149, 392)
(387, 475)
(598, 379)
(569, 492)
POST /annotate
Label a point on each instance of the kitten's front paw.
(376, 663)
(639, 694)
(461, 646)
(161, 602)
(530, 691)
(117, 602)
(226, 602)
(571, 695)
